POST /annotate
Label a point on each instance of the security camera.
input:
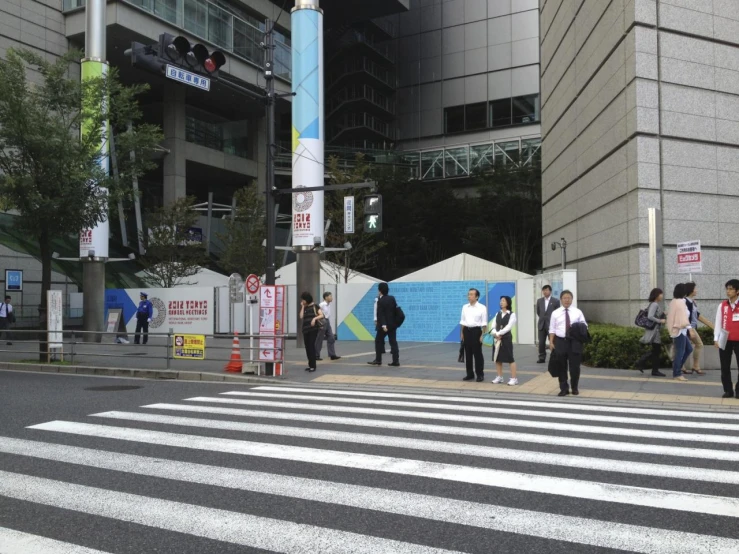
(91, 254)
(317, 241)
(554, 246)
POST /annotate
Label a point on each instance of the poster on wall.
(187, 310)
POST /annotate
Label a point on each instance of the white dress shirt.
(326, 309)
(5, 310)
(474, 316)
(511, 322)
(558, 322)
(376, 299)
(546, 303)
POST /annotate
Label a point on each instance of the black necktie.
(567, 322)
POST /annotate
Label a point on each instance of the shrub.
(619, 347)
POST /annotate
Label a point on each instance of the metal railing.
(74, 347)
(210, 22)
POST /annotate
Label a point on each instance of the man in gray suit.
(544, 308)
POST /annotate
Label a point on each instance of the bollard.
(169, 343)
(74, 341)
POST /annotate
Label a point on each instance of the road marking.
(489, 410)
(221, 525)
(467, 399)
(537, 424)
(460, 449)
(616, 536)
(573, 488)
(17, 542)
(683, 452)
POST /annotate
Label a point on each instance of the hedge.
(619, 347)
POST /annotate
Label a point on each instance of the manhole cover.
(112, 388)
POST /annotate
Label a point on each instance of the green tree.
(245, 234)
(172, 256)
(50, 172)
(366, 247)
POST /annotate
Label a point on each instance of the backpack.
(399, 316)
(642, 320)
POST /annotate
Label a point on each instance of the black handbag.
(461, 353)
(557, 364)
(642, 320)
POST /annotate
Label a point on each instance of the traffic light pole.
(269, 60)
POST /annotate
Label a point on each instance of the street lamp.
(563, 246)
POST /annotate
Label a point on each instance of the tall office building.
(639, 104)
(468, 85)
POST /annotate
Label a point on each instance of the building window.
(500, 112)
(454, 119)
(476, 116)
(526, 109)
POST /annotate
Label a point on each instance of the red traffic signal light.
(196, 57)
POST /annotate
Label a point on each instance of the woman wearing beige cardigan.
(678, 325)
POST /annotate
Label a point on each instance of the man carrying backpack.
(387, 326)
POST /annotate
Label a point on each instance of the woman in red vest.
(726, 335)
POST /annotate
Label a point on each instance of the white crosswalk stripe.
(523, 470)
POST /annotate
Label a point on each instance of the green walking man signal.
(373, 213)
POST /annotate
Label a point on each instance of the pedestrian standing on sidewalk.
(653, 336)
(505, 319)
(387, 326)
(726, 327)
(377, 298)
(326, 331)
(545, 306)
(6, 318)
(563, 345)
(691, 290)
(144, 314)
(473, 323)
(678, 325)
(310, 317)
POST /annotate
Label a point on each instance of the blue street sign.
(13, 279)
(192, 79)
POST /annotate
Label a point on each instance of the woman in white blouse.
(505, 319)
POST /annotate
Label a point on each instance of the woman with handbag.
(653, 336)
(678, 325)
(312, 321)
(505, 319)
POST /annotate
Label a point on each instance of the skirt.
(505, 353)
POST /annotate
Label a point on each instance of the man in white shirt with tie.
(563, 345)
(326, 331)
(474, 323)
(6, 318)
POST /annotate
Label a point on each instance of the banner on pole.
(689, 258)
(348, 215)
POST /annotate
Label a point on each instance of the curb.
(159, 374)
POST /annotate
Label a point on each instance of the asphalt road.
(181, 467)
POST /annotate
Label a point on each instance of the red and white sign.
(271, 323)
(252, 284)
(689, 259)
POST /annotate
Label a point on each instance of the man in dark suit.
(545, 306)
(386, 327)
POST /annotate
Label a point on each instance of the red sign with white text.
(271, 323)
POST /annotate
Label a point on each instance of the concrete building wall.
(37, 25)
(636, 114)
(456, 53)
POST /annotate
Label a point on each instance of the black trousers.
(653, 355)
(543, 340)
(564, 348)
(142, 324)
(309, 338)
(473, 349)
(4, 328)
(380, 344)
(732, 348)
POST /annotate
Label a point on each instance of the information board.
(271, 323)
(189, 347)
(54, 318)
(689, 258)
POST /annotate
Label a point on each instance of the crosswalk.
(311, 470)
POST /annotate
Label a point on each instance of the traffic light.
(194, 57)
(373, 213)
(176, 52)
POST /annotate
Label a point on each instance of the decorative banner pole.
(308, 143)
(94, 242)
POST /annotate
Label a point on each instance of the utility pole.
(269, 77)
(94, 242)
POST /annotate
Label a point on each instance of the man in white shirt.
(726, 330)
(567, 349)
(6, 318)
(473, 323)
(326, 331)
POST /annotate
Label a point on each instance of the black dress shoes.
(375, 362)
(728, 395)
(540, 361)
(394, 364)
(468, 379)
(658, 374)
(563, 393)
(480, 379)
(334, 358)
(575, 392)
(319, 359)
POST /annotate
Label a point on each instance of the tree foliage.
(172, 256)
(245, 234)
(50, 172)
(366, 247)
